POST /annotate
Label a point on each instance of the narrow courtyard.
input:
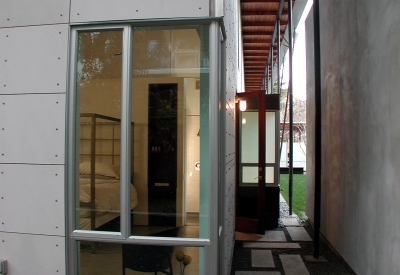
(285, 250)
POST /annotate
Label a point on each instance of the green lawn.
(299, 193)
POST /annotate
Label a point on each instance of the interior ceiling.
(258, 22)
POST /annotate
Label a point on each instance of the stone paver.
(298, 234)
(262, 258)
(310, 258)
(257, 273)
(273, 236)
(290, 222)
(293, 265)
(272, 245)
(240, 236)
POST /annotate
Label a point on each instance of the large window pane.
(99, 70)
(117, 259)
(169, 101)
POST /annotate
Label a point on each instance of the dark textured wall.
(360, 50)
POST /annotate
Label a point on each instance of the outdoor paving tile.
(269, 236)
(272, 245)
(262, 258)
(290, 222)
(273, 236)
(240, 236)
(293, 265)
(257, 273)
(298, 234)
(310, 258)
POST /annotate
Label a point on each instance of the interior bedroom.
(165, 133)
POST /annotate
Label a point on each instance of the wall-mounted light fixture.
(242, 105)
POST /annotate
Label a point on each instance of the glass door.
(250, 148)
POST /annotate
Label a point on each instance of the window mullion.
(126, 132)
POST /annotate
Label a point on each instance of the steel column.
(278, 55)
(278, 16)
(318, 128)
(290, 23)
(271, 80)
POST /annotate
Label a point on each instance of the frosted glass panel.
(249, 140)
(270, 137)
(250, 175)
(269, 174)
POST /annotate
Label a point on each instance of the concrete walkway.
(285, 250)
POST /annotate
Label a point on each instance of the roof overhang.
(260, 37)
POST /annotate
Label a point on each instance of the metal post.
(278, 55)
(268, 77)
(318, 128)
(290, 108)
(271, 79)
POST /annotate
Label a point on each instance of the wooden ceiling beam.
(255, 38)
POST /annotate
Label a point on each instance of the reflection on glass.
(99, 112)
(169, 84)
(132, 259)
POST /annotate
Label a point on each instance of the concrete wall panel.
(379, 136)
(38, 12)
(32, 128)
(93, 10)
(32, 201)
(310, 128)
(32, 254)
(33, 59)
(360, 45)
(233, 80)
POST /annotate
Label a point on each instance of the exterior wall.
(34, 39)
(32, 118)
(232, 84)
(360, 63)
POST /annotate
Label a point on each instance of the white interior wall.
(360, 63)
(192, 143)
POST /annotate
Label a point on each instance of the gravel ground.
(333, 264)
